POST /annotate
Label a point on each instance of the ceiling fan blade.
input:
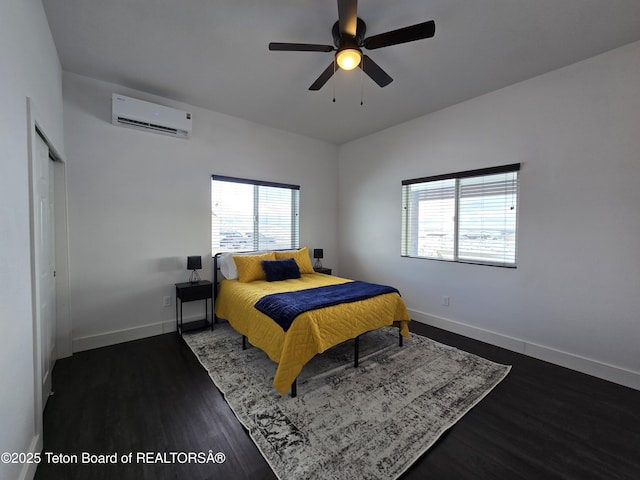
(299, 47)
(323, 78)
(402, 35)
(348, 16)
(376, 73)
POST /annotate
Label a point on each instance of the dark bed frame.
(356, 340)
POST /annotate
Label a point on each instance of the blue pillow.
(276, 270)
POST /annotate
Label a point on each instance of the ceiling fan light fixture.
(348, 58)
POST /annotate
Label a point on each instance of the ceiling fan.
(348, 42)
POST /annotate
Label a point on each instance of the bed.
(245, 284)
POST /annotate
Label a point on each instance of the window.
(466, 217)
(253, 215)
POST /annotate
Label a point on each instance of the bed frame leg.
(244, 342)
(356, 353)
(294, 389)
(400, 338)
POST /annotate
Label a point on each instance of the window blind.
(253, 215)
(430, 220)
(466, 217)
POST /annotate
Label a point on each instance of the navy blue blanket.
(283, 308)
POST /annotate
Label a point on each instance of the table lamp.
(318, 253)
(194, 263)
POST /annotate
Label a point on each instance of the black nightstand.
(322, 270)
(189, 292)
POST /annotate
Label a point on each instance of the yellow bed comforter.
(311, 332)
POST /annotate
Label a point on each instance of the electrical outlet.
(445, 301)
(166, 301)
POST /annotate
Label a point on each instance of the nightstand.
(322, 270)
(190, 292)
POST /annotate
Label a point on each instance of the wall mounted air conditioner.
(138, 114)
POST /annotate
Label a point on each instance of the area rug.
(369, 422)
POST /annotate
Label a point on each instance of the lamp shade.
(348, 58)
(194, 262)
(318, 253)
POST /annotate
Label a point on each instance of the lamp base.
(318, 263)
(195, 277)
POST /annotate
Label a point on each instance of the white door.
(45, 263)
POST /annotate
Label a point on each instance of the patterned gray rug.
(372, 422)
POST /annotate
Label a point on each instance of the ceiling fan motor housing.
(347, 41)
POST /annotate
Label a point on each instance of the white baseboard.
(28, 470)
(90, 342)
(618, 375)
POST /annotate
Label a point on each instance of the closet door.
(45, 263)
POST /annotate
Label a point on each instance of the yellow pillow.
(300, 256)
(250, 266)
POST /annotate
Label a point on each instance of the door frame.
(35, 128)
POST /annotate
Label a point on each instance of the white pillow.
(228, 266)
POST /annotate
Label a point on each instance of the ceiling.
(213, 53)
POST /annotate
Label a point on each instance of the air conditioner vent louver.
(141, 115)
(146, 125)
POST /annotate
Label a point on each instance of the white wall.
(574, 298)
(139, 203)
(30, 68)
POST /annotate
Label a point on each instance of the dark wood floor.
(152, 395)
